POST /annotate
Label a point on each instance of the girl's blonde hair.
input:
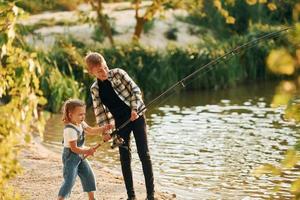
(68, 107)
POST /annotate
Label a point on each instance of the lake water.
(205, 145)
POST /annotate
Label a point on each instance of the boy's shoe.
(131, 198)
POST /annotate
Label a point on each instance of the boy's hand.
(134, 115)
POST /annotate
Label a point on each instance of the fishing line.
(192, 76)
(229, 56)
(204, 71)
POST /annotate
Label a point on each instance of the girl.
(74, 151)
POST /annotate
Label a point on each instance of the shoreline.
(42, 176)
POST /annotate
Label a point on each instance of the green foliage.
(155, 70)
(138, 62)
(98, 35)
(37, 6)
(64, 75)
(148, 26)
(29, 29)
(226, 18)
(171, 33)
(58, 88)
(20, 97)
(285, 60)
(286, 166)
(292, 111)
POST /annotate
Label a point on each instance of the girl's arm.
(79, 150)
(93, 130)
(98, 130)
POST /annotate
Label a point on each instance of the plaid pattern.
(126, 89)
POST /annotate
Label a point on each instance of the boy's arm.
(136, 93)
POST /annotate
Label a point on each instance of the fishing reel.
(117, 140)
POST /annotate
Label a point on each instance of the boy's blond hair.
(94, 59)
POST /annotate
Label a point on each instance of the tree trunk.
(138, 29)
(106, 28)
(102, 20)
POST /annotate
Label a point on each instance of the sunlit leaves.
(284, 92)
(262, 1)
(298, 56)
(251, 2)
(230, 20)
(230, 2)
(223, 8)
(267, 169)
(295, 189)
(15, 10)
(224, 13)
(281, 62)
(3, 51)
(292, 112)
(218, 4)
(11, 32)
(61, 88)
(157, 7)
(291, 159)
(294, 35)
(296, 12)
(73, 55)
(20, 86)
(272, 6)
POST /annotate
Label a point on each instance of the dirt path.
(42, 177)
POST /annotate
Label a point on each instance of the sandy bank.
(42, 177)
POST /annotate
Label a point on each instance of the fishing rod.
(118, 140)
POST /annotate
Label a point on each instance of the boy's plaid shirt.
(126, 89)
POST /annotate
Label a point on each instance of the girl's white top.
(70, 134)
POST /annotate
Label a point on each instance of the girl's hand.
(107, 127)
(90, 151)
(106, 137)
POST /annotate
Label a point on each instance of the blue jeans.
(73, 165)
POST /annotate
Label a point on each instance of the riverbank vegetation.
(36, 79)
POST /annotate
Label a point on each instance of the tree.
(19, 95)
(285, 60)
(203, 9)
(156, 6)
(97, 6)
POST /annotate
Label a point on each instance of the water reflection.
(205, 145)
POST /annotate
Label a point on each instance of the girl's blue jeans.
(73, 165)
